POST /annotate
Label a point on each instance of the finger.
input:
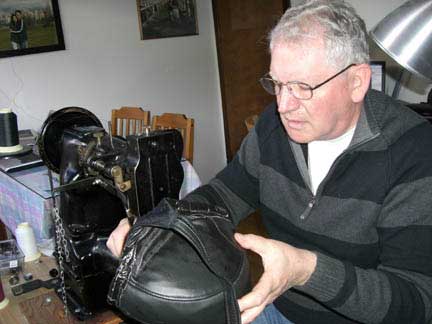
(117, 238)
(259, 295)
(114, 246)
(118, 247)
(250, 315)
(123, 221)
(111, 246)
(125, 227)
(252, 242)
(249, 301)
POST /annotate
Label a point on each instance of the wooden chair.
(250, 121)
(122, 119)
(183, 124)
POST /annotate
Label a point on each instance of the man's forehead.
(298, 61)
(288, 53)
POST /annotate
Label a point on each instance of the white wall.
(106, 66)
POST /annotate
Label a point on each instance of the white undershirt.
(322, 154)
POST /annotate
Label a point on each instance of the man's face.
(18, 15)
(330, 112)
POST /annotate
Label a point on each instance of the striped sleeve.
(236, 187)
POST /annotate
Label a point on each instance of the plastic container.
(11, 257)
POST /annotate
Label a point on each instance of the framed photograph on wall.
(30, 26)
(167, 18)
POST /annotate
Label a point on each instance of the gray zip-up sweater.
(369, 222)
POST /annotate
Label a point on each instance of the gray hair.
(343, 31)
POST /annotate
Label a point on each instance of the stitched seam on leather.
(201, 245)
(239, 269)
(136, 284)
(154, 245)
(200, 216)
(123, 283)
(175, 297)
(129, 266)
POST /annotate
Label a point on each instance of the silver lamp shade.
(406, 35)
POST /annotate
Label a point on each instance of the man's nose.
(286, 100)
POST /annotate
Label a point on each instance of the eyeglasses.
(299, 90)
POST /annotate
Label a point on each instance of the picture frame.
(29, 27)
(378, 75)
(167, 18)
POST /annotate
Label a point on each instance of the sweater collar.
(367, 125)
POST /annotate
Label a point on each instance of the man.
(342, 176)
(13, 28)
(21, 31)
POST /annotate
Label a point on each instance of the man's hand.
(117, 238)
(284, 267)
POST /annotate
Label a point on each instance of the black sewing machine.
(102, 180)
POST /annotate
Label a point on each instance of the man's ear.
(359, 81)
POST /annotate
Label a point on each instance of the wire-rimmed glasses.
(299, 90)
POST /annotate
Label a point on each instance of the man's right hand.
(117, 238)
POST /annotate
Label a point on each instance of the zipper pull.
(307, 211)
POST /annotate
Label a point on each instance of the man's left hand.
(284, 267)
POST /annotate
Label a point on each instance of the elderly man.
(342, 175)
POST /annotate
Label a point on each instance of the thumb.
(251, 242)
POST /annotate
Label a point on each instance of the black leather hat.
(181, 265)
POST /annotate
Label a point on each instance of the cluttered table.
(41, 305)
(14, 312)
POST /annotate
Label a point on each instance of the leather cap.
(181, 264)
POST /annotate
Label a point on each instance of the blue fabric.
(271, 315)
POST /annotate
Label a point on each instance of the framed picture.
(378, 75)
(167, 18)
(30, 26)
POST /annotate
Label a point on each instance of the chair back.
(129, 121)
(183, 124)
(250, 121)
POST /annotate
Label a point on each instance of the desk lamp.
(406, 35)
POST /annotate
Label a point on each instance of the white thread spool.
(27, 242)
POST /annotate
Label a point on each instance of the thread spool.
(9, 139)
(3, 300)
(26, 241)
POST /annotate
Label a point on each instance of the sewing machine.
(102, 180)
